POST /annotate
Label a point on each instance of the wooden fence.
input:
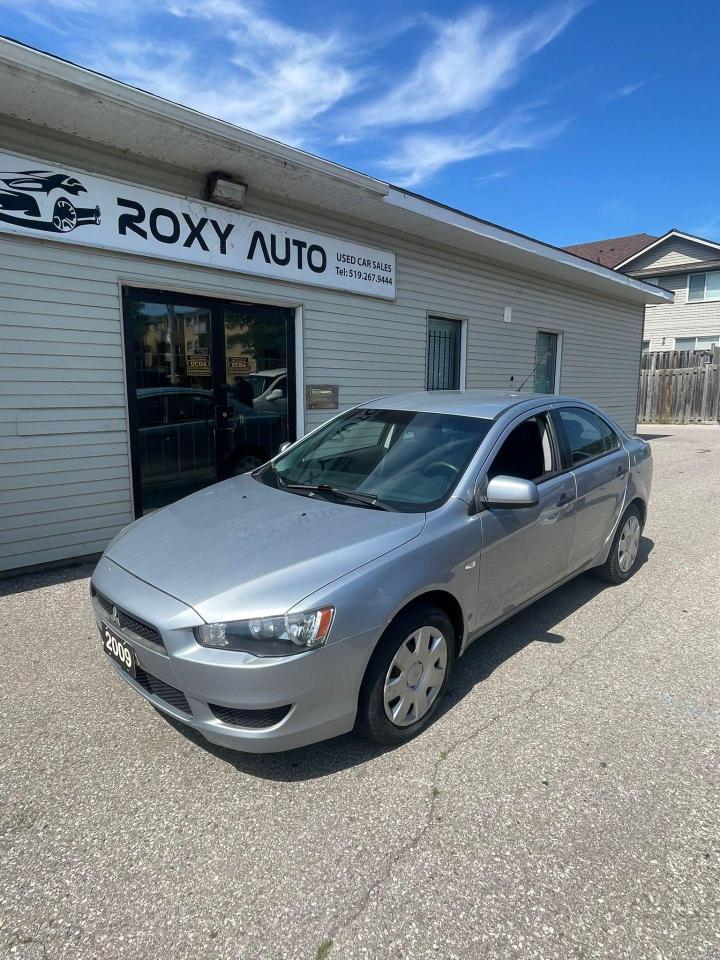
(680, 386)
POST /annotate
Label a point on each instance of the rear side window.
(582, 432)
(611, 441)
(151, 412)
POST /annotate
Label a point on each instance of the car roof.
(175, 391)
(484, 404)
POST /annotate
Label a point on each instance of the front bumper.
(320, 687)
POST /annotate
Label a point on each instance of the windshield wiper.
(350, 496)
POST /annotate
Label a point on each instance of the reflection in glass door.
(210, 389)
(174, 445)
(257, 341)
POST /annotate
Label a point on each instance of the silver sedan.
(335, 587)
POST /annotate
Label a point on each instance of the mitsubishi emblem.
(114, 615)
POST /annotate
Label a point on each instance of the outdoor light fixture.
(226, 189)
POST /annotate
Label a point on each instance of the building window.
(444, 348)
(546, 361)
(645, 346)
(703, 286)
(655, 281)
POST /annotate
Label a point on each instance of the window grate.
(443, 355)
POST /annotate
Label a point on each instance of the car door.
(151, 430)
(191, 421)
(600, 465)
(525, 550)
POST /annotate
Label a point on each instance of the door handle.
(565, 498)
(621, 471)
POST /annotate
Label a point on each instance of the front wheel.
(623, 555)
(247, 461)
(407, 676)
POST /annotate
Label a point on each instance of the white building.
(154, 341)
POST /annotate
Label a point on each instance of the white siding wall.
(64, 457)
(673, 252)
(680, 319)
(667, 321)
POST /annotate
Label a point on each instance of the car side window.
(611, 441)
(526, 452)
(151, 412)
(582, 432)
(186, 407)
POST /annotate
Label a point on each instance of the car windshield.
(397, 459)
(259, 383)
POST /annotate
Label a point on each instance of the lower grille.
(158, 688)
(128, 622)
(255, 719)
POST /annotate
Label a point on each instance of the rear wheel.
(407, 676)
(623, 555)
(64, 216)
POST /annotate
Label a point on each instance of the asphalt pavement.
(565, 805)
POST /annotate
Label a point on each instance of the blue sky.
(567, 121)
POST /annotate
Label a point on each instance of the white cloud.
(627, 90)
(423, 154)
(490, 177)
(470, 61)
(284, 78)
(235, 60)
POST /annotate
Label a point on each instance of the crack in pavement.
(415, 840)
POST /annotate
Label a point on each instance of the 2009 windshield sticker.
(55, 202)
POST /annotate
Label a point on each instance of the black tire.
(372, 720)
(612, 570)
(64, 216)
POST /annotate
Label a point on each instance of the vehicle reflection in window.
(176, 442)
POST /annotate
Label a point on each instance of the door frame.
(215, 304)
(558, 356)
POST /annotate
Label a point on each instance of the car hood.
(241, 549)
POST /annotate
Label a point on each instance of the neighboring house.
(686, 265)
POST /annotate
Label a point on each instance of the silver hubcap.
(629, 543)
(415, 676)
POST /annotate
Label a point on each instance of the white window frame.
(463, 321)
(703, 273)
(558, 356)
(696, 337)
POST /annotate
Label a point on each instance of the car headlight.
(269, 636)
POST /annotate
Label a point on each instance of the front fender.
(443, 556)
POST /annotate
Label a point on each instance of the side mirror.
(275, 394)
(284, 446)
(510, 492)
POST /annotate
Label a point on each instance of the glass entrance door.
(207, 388)
(256, 341)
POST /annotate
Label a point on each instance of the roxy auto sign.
(44, 200)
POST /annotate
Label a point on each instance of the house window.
(697, 343)
(547, 348)
(444, 348)
(655, 281)
(703, 286)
